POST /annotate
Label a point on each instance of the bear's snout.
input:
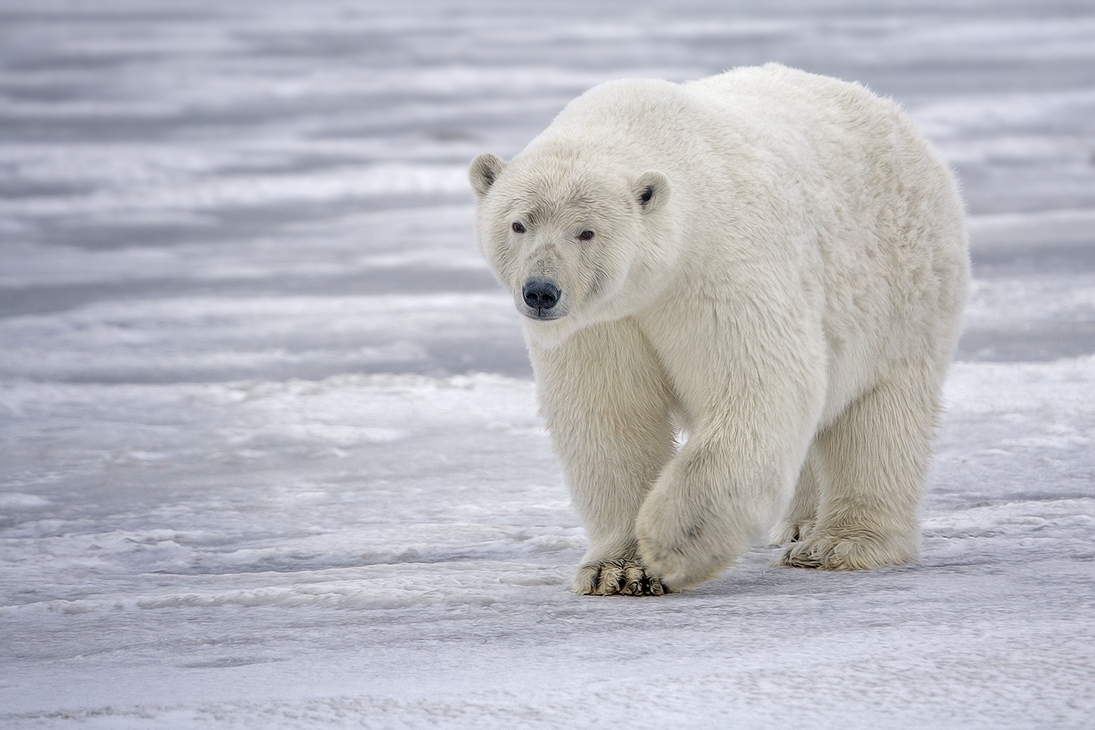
(540, 295)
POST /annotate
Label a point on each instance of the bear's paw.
(848, 550)
(624, 577)
(792, 531)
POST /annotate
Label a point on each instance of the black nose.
(540, 294)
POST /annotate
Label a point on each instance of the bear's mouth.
(541, 314)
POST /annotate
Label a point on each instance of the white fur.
(788, 298)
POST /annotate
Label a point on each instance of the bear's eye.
(585, 236)
(517, 227)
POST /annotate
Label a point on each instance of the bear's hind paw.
(617, 577)
(792, 531)
(853, 550)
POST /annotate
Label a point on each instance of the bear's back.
(777, 88)
(875, 201)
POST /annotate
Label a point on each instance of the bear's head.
(575, 241)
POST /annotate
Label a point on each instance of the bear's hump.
(621, 112)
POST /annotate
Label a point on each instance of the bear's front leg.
(608, 408)
(705, 511)
(726, 487)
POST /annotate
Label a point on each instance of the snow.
(269, 452)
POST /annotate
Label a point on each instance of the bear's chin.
(549, 333)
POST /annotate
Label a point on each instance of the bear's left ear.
(651, 190)
(484, 170)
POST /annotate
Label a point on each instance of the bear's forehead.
(544, 195)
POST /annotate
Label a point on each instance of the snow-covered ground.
(268, 447)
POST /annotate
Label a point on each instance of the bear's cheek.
(504, 260)
(601, 273)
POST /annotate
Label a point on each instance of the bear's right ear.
(484, 170)
(651, 190)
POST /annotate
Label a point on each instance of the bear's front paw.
(625, 577)
(848, 550)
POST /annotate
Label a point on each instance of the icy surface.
(268, 447)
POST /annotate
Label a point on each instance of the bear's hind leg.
(802, 515)
(873, 460)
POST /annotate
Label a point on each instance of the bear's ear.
(651, 190)
(484, 170)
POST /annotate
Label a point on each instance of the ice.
(269, 451)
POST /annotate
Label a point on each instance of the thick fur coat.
(741, 295)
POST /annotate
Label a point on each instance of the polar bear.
(740, 295)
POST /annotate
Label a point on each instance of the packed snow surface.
(269, 452)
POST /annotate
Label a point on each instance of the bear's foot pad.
(617, 577)
(859, 551)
